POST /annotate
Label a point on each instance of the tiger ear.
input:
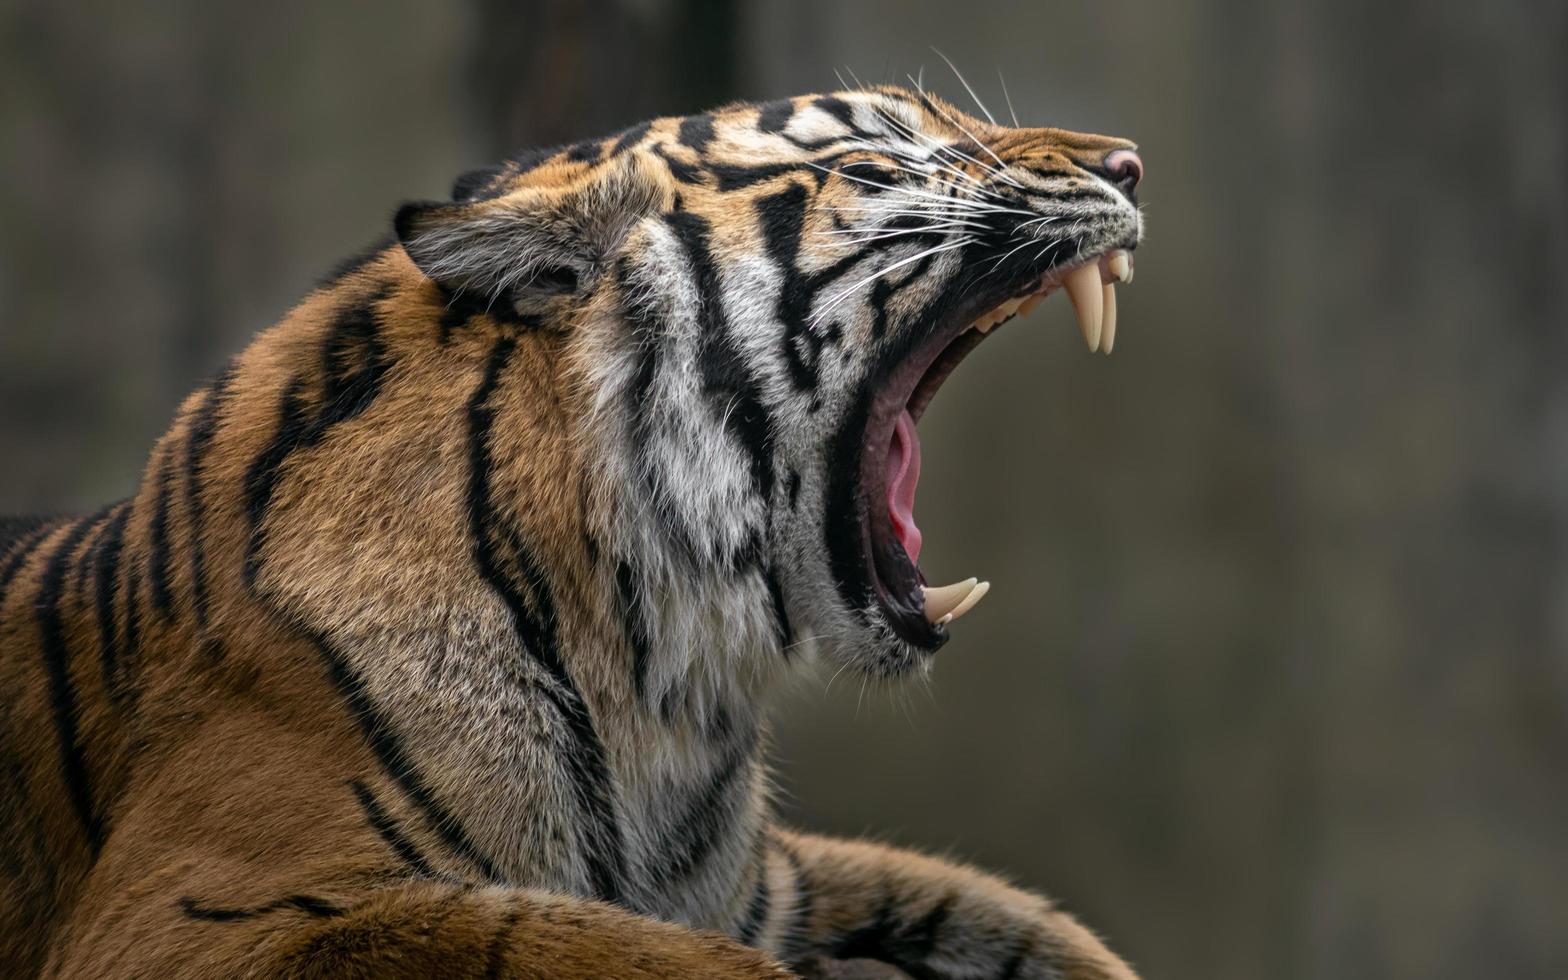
(536, 238)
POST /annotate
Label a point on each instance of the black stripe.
(872, 939)
(204, 423)
(62, 691)
(726, 379)
(389, 750)
(757, 910)
(495, 957)
(196, 910)
(158, 543)
(354, 363)
(735, 177)
(786, 633)
(262, 477)
(18, 556)
(473, 184)
(309, 904)
(696, 132)
(840, 110)
(772, 117)
(588, 151)
(14, 530)
(630, 138)
(106, 566)
(635, 622)
(533, 618)
(684, 172)
(921, 938)
(782, 219)
(702, 823)
(797, 935)
(130, 654)
(84, 558)
(648, 329)
(387, 828)
(1015, 963)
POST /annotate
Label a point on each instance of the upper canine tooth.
(1108, 327)
(1121, 268)
(1083, 288)
(970, 600)
(943, 599)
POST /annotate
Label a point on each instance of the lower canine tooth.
(944, 599)
(970, 601)
(1121, 268)
(1083, 288)
(1108, 325)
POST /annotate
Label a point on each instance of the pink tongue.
(903, 472)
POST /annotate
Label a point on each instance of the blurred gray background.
(1274, 678)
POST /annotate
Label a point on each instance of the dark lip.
(912, 383)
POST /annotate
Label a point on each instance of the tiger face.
(760, 302)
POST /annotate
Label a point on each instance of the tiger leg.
(419, 929)
(286, 865)
(856, 901)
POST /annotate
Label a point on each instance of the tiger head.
(759, 303)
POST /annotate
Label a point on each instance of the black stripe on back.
(505, 564)
(130, 653)
(158, 542)
(588, 151)
(13, 530)
(204, 423)
(696, 132)
(106, 580)
(20, 548)
(630, 138)
(354, 363)
(62, 691)
(386, 826)
(772, 117)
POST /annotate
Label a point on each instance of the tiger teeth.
(970, 601)
(1108, 324)
(944, 599)
(1120, 266)
(1090, 287)
(1083, 288)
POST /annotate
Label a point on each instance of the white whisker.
(967, 87)
(1009, 98)
(841, 296)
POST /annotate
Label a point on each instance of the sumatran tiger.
(439, 636)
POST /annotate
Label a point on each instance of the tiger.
(440, 635)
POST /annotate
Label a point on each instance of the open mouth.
(890, 462)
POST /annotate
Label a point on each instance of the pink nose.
(1125, 168)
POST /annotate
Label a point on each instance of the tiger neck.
(431, 514)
